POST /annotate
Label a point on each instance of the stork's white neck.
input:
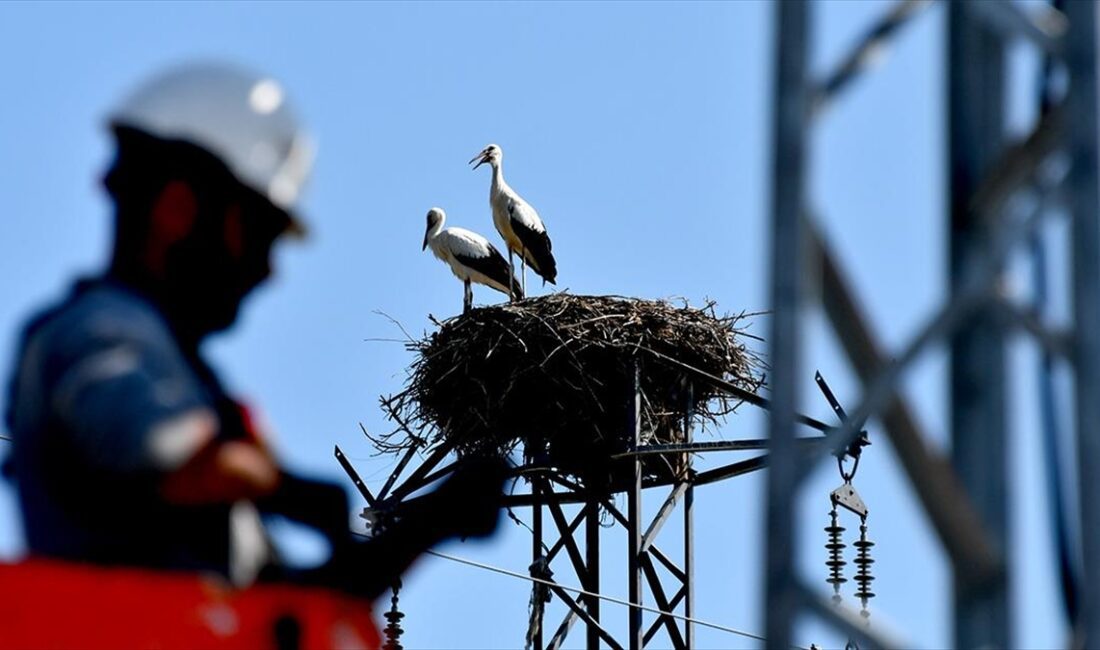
(434, 231)
(498, 176)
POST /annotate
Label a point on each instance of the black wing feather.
(492, 266)
(539, 247)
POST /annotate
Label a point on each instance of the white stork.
(517, 222)
(471, 258)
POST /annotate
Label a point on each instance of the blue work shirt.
(95, 377)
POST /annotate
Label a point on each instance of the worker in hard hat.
(126, 448)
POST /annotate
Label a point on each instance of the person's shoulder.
(96, 314)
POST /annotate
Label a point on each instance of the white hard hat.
(241, 117)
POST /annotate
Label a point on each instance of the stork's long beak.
(484, 156)
(425, 246)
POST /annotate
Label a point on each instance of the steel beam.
(660, 556)
(592, 552)
(586, 567)
(571, 547)
(1083, 190)
(354, 476)
(409, 453)
(560, 544)
(688, 589)
(575, 607)
(536, 543)
(860, 57)
(976, 96)
(415, 480)
(524, 500)
(566, 626)
(659, 598)
(792, 101)
(662, 515)
(656, 626)
(731, 470)
(634, 517)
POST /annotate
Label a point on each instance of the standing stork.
(471, 258)
(517, 222)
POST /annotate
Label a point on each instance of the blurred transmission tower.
(1052, 173)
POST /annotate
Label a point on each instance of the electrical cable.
(611, 599)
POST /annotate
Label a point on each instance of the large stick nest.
(556, 373)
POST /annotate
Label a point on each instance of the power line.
(619, 601)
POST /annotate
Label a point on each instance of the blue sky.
(639, 131)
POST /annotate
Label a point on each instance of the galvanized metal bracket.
(846, 497)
